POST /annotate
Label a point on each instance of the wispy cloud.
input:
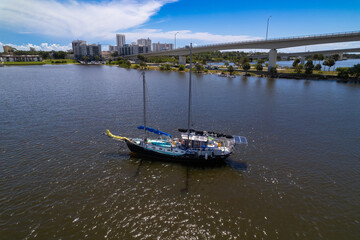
(96, 21)
(43, 46)
(201, 37)
(76, 19)
(328, 46)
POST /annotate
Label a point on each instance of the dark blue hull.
(186, 158)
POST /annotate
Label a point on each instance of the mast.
(144, 99)
(189, 106)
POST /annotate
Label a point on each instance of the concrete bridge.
(272, 44)
(305, 54)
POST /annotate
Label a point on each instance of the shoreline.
(282, 73)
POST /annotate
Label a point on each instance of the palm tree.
(296, 62)
(246, 67)
(231, 69)
(331, 62)
(326, 63)
(316, 57)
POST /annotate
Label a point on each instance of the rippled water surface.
(298, 178)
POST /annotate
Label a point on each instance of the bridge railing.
(283, 38)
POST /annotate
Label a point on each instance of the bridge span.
(310, 53)
(272, 44)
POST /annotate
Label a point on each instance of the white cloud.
(76, 19)
(43, 46)
(96, 21)
(320, 47)
(201, 37)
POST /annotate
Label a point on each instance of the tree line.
(43, 54)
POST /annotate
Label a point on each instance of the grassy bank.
(60, 61)
(22, 63)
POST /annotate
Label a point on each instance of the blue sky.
(53, 24)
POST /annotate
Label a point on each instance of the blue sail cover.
(158, 132)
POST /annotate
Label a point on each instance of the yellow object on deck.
(116, 137)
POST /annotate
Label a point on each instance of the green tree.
(261, 61)
(273, 70)
(298, 68)
(181, 67)
(296, 62)
(336, 57)
(114, 54)
(59, 54)
(85, 58)
(246, 67)
(243, 60)
(317, 67)
(141, 57)
(128, 64)
(44, 55)
(259, 66)
(315, 57)
(329, 63)
(199, 68)
(165, 67)
(320, 58)
(143, 65)
(343, 72)
(231, 69)
(355, 70)
(309, 67)
(97, 58)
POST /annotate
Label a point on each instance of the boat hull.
(191, 159)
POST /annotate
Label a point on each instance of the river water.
(60, 178)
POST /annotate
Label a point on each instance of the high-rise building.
(120, 40)
(144, 42)
(94, 50)
(112, 48)
(128, 49)
(81, 49)
(76, 46)
(157, 47)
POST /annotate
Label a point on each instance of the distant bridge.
(272, 44)
(301, 54)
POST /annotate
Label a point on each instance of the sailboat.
(193, 146)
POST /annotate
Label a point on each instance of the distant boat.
(192, 147)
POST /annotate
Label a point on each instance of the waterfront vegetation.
(60, 61)
(242, 64)
(43, 54)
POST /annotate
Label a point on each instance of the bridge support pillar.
(272, 58)
(182, 60)
(302, 60)
(341, 56)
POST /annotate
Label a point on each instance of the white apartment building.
(120, 40)
(157, 47)
(81, 49)
(144, 42)
(113, 48)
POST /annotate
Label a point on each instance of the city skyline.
(22, 23)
